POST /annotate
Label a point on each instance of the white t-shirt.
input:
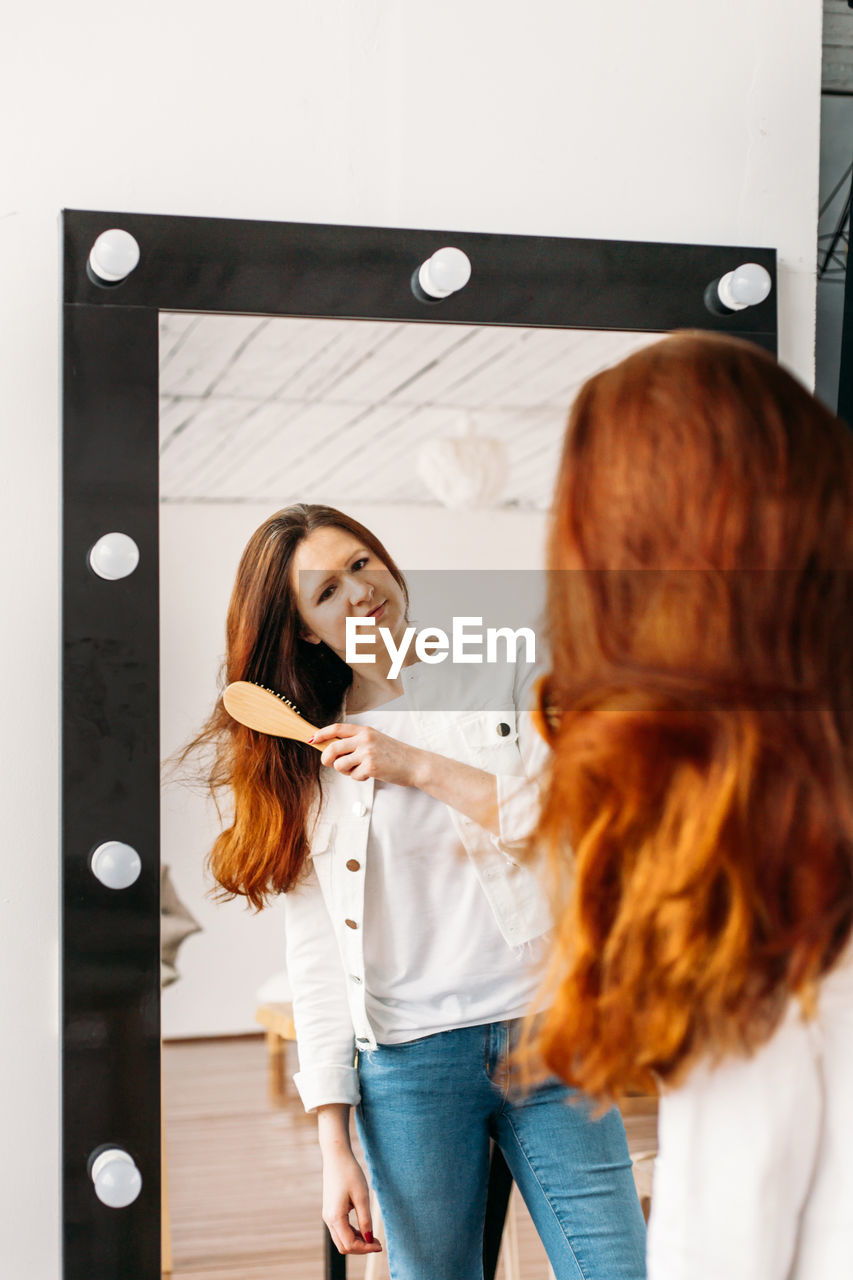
(434, 955)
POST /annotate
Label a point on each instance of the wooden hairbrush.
(267, 712)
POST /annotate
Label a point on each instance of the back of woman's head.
(700, 706)
(274, 782)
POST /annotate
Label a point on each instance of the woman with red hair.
(413, 932)
(700, 710)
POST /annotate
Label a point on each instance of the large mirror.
(336, 386)
(256, 413)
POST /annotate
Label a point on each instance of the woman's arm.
(345, 1187)
(463, 787)
(327, 1079)
(324, 1036)
(506, 805)
(362, 752)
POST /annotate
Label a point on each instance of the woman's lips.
(378, 611)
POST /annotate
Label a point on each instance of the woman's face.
(335, 577)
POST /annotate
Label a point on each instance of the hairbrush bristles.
(278, 695)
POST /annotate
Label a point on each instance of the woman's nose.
(359, 590)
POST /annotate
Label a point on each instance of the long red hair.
(700, 707)
(273, 785)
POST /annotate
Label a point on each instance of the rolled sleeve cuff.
(325, 1084)
(518, 812)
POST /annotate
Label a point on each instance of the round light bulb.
(113, 256)
(117, 1180)
(116, 865)
(447, 271)
(115, 555)
(746, 286)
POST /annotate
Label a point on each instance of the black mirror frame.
(110, 736)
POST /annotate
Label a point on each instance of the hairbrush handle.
(267, 712)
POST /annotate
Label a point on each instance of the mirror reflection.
(442, 441)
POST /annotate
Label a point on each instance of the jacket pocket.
(492, 739)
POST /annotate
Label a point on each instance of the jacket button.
(503, 729)
(360, 809)
(352, 865)
(350, 924)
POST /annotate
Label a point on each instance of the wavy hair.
(700, 708)
(274, 784)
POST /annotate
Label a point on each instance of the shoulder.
(836, 989)
(721, 1108)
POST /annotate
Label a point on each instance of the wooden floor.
(244, 1176)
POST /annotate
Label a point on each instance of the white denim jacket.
(489, 727)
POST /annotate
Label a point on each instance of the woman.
(700, 710)
(413, 933)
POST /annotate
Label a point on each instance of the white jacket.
(324, 913)
(754, 1180)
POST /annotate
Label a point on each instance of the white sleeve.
(737, 1149)
(324, 1034)
(520, 796)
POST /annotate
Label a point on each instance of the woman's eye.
(330, 590)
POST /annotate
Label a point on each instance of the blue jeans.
(428, 1109)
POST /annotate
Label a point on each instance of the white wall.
(222, 967)
(666, 121)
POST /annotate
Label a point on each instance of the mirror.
(364, 361)
(256, 413)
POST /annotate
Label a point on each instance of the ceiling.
(277, 410)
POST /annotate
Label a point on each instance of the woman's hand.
(362, 753)
(344, 1190)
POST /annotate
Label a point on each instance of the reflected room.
(443, 439)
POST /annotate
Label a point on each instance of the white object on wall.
(114, 556)
(746, 286)
(446, 272)
(113, 256)
(115, 864)
(466, 470)
(117, 1180)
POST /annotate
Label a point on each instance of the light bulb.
(116, 865)
(115, 555)
(117, 1180)
(113, 256)
(746, 286)
(447, 271)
